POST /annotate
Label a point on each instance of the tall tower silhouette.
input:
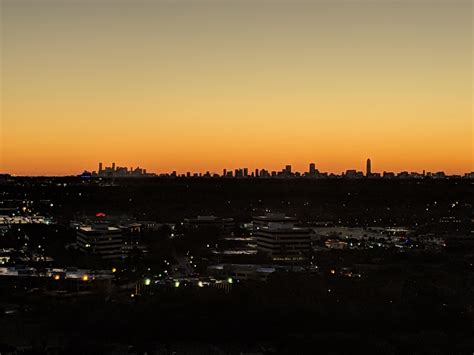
(368, 168)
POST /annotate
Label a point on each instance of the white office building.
(278, 237)
(102, 240)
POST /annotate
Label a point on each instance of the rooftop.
(269, 217)
(98, 228)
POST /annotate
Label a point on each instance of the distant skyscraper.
(312, 169)
(113, 166)
(100, 168)
(369, 168)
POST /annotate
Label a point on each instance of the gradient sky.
(205, 85)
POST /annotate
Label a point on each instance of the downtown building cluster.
(287, 172)
(117, 171)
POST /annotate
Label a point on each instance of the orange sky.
(206, 85)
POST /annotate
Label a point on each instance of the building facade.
(278, 237)
(102, 240)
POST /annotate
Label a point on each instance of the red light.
(100, 214)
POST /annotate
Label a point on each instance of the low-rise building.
(241, 272)
(209, 222)
(284, 242)
(278, 236)
(102, 240)
(269, 218)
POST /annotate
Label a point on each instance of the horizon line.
(213, 173)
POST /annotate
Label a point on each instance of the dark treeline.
(413, 302)
(390, 202)
(290, 314)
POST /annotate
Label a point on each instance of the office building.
(202, 222)
(102, 240)
(272, 218)
(278, 237)
(283, 242)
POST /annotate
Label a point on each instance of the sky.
(204, 85)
